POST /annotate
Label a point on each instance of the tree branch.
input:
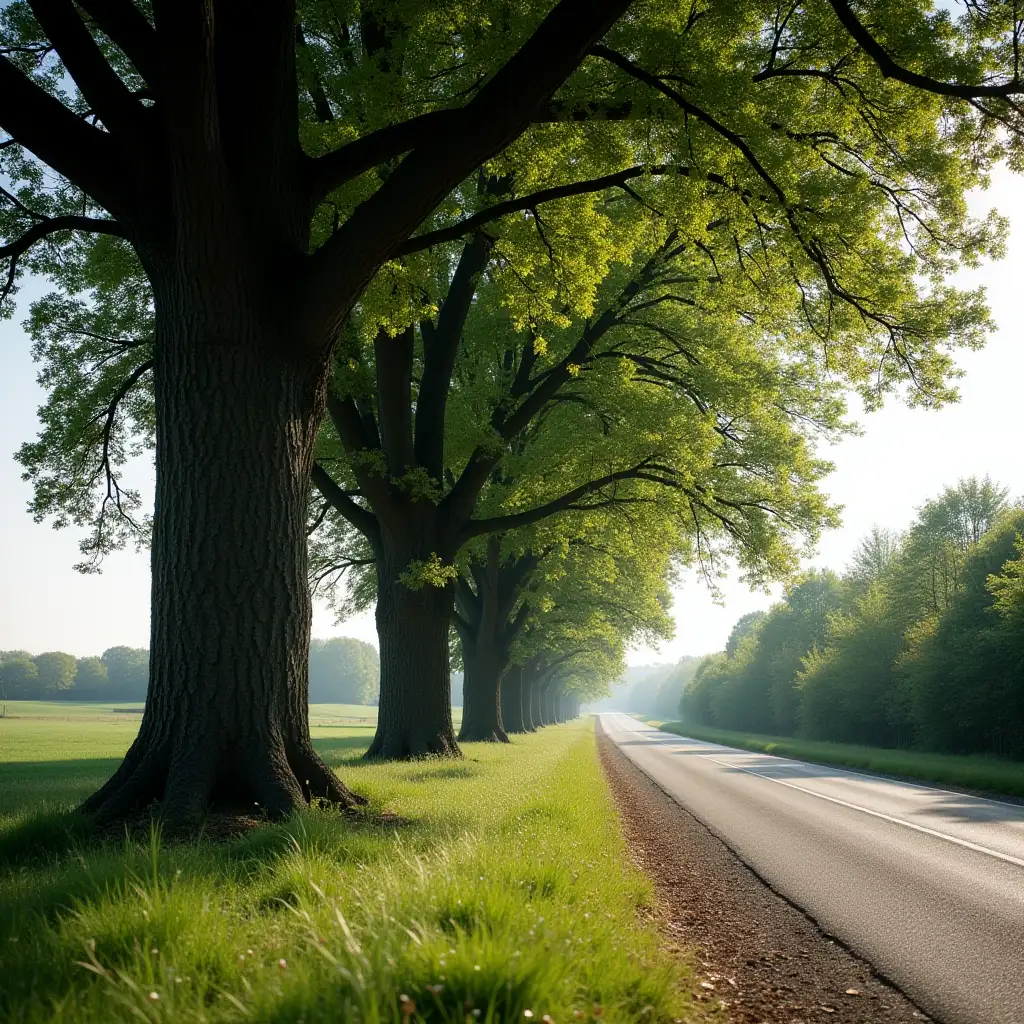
(393, 357)
(495, 117)
(87, 157)
(362, 519)
(566, 502)
(440, 347)
(49, 226)
(108, 96)
(464, 227)
(890, 68)
(331, 171)
(129, 30)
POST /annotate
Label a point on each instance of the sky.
(903, 457)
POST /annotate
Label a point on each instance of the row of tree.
(540, 304)
(119, 674)
(341, 671)
(919, 642)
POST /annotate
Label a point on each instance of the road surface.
(925, 884)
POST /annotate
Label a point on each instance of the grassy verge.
(980, 773)
(504, 894)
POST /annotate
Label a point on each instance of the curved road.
(925, 884)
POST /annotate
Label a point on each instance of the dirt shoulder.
(761, 957)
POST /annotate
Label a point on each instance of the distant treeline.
(652, 690)
(341, 671)
(920, 642)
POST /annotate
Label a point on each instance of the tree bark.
(481, 693)
(537, 704)
(414, 718)
(226, 719)
(513, 715)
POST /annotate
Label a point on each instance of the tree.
(181, 147)
(849, 689)
(127, 672)
(19, 677)
(343, 671)
(928, 572)
(753, 686)
(872, 558)
(489, 614)
(92, 681)
(56, 673)
(966, 674)
(746, 625)
(219, 210)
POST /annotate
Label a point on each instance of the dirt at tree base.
(761, 960)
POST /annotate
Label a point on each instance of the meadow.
(984, 774)
(496, 888)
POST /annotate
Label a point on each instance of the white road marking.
(864, 810)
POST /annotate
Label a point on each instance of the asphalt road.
(925, 884)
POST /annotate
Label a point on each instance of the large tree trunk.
(226, 720)
(481, 693)
(415, 714)
(537, 704)
(549, 706)
(512, 711)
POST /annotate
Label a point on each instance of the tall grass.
(969, 772)
(504, 894)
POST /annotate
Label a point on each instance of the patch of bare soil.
(761, 959)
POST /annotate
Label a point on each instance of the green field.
(53, 754)
(480, 889)
(985, 774)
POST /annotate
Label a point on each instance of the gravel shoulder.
(762, 959)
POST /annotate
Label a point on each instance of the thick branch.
(128, 28)
(439, 350)
(362, 519)
(108, 96)
(351, 431)
(566, 502)
(49, 226)
(328, 172)
(393, 357)
(495, 117)
(86, 156)
(891, 69)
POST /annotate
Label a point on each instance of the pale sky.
(904, 457)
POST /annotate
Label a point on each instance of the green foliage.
(127, 672)
(431, 572)
(56, 672)
(752, 686)
(19, 676)
(343, 671)
(919, 643)
(91, 679)
(505, 887)
(979, 773)
(966, 673)
(817, 207)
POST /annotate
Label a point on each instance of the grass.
(505, 893)
(984, 774)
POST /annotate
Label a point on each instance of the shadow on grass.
(39, 820)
